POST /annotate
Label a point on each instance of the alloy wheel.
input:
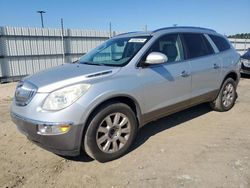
(228, 95)
(113, 132)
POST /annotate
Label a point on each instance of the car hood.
(67, 74)
(246, 55)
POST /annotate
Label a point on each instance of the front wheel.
(227, 96)
(110, 132)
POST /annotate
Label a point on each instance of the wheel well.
(126, 100)
(232, 75)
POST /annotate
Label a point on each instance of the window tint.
(220, 42)
(170, 45)
(208, 45)
(196, 45)
(115, 51)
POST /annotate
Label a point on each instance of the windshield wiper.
(98, 64)
(76, 61)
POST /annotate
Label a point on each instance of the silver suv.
(98, 103)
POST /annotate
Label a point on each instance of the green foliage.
(240, 36)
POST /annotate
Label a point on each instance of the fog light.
(64, 128)
(44, 129)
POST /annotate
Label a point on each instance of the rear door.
(206, 67)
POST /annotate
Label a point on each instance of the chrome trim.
(99, 74)
(25, 91)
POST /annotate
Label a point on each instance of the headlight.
(64, 97)
(246, 62)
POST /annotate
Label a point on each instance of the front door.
(166, 85)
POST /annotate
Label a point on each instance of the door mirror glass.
(156, 58)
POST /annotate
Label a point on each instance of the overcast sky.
(225, 16)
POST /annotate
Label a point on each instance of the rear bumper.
(64, 144)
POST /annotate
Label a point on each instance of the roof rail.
(183, 27)
(130, 33)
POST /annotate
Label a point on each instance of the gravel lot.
(193, 148)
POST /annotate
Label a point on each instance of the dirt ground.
(193, 148)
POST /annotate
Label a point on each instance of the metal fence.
(241, 45)
(25, 51)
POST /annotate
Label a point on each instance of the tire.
(226, 97)
(110, 132)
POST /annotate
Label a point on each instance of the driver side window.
(171, 46)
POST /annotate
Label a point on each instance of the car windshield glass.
(114, 52)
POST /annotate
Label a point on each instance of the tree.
(240, 36)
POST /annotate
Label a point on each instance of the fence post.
(245, 46)
(62, 32)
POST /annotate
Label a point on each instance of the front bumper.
(244, 69)
(64, 144)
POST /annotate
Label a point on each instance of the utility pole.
(110, 30)
(41, 12)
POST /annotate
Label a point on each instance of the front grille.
(25, 91)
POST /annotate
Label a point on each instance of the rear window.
(221, 43)
(196, 45)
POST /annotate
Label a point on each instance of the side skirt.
(157, 114)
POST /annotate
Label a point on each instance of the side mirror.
(156, 58)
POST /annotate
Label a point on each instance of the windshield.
(114, 52)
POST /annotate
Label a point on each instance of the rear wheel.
(227, 96)
(111, 132)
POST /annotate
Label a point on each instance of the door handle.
(216, 66)
(184, 74)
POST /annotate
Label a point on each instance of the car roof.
(168, 30)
